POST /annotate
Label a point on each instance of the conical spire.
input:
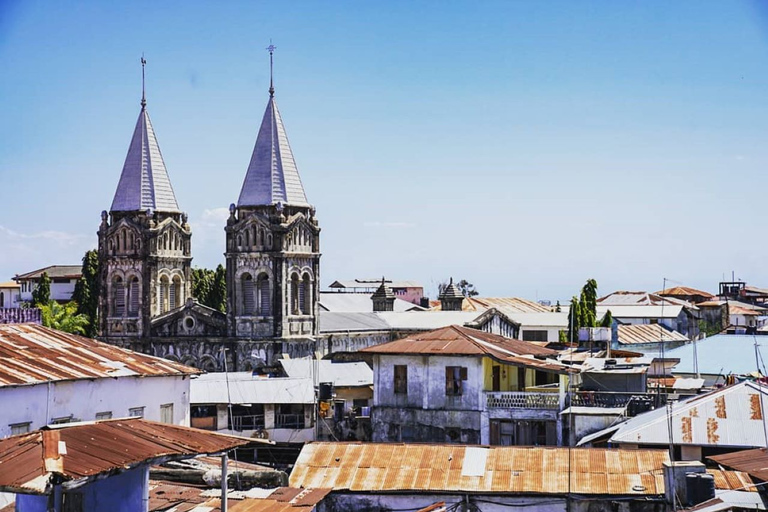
(272, 175)
(144, 182)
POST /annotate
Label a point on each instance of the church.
(272, 260)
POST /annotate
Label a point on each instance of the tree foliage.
(41, 295)
(209, 287)
(64, 318)
(583, 311)
(466, 288)
(86, 293)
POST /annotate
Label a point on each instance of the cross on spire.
(271, 48)
(143, 96)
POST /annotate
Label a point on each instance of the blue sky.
(524, 146)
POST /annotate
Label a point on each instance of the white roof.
(244, 388)
(622, 311)
(731, 416)
(144, 182)
(357, 303)
(340, 374)
(538, 319)
(426, 320)
(272, 175)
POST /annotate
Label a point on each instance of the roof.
(245, 388)
(337, 302)
(397, 467)
(59, 271)
(144, 182)
(373, 283)
(451, 291)
(272, 175)
(30, 462)
(624, 298)
(719, 354)
(463, 341)
(10, 284)
(628, 311)
(732, 304)
(424, 320)
(340, 374)
(731, 416)
(508, 304)
(731, 500)
(754, 462)
(179, 498)
(31, 354)
(684, 291)
(330, 322)
(648, 333)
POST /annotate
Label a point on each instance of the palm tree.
(64, 318)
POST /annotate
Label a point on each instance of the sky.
(523, 146)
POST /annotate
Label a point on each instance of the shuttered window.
(119, 298)
(454, 380)
(401, 379)
(248, 305)
(133, 297)
(264, 300)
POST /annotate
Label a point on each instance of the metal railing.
(635, 402)
(521, 400)
(254, 422)
(289, 420)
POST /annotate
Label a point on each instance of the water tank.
(700, 487)
(325, 391)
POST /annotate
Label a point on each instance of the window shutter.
(463, 373)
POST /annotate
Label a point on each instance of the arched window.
(2, 299)
(164, 292)
(295, 298)
(306, 299)
(247, 237)
(248, 298)
(118, 296)
(239, 241)
(263, 296)
(175, 293)
(261, 237)
(133, 296)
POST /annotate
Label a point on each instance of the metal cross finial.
(271, 48)
(143, 96)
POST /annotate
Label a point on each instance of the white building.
(51, 377)
(63, 280)
(10, 295)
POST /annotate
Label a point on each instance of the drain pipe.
(224, 459)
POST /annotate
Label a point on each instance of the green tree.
(218, 296)
(202, 282)
(607, 319)
(209, 287)
(86, 293)
(42, 294)
(64, 318)
(574, 315)
(467, 289)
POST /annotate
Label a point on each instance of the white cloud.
(22, 252)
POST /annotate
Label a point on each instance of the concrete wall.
(10, 298)
(59, 291)
(83, 399)
(553, 333)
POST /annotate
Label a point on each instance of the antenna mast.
(271, 48)
(143, 95)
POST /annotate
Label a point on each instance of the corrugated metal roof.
(719, 354)
(684, 291)
(425, 320)
(30, 354)
(754, 462)
(732, 480)
(510, 304)
(144, 182)
(731, 416)
(272, 175)
(244, 388)
(61, 271)
(337, 302)
(372, 467)
(373, 284)
(340, 374)
(29, 462)
(625, 298)
(10, 284)
(331, 322)
(648, 333)
(627, 311)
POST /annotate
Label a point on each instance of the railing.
(254, 422)
(521, 400)
(289, 420)
(634, 402)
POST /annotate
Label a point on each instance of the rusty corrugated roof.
(511, 304)
(732, 480)
(29, 462)
(30, 354)
(648, 333)
(372, 467)
(753, 462)
(684, 291)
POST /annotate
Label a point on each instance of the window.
(72, 502)
(535, 336)
(106, 415)
(289, 416)
(454, 380)
(62, 420)
(248, 303)
(119, 296)
(263, 295)
(164, 290)
(295, 299)
(136, 412)
(166, 413)
(175, 294)
(401, 379)
(20, 428)
(246, 417)
(133, 297)
(2, 300)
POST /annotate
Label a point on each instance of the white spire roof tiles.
(272, 175)
(144, 182)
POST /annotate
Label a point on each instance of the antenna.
(143, 95)
(271, 49)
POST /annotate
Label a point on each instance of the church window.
(2, 300)
(261, 237)
(239, 241)
(306, 295)
(247, 237)
(248, 305)
(125, 236)
(133, 241)
(262, 294)
(295, 299)
(118, 298)
(175, 292)
(164, 291)
(133, 297)
(269, 241)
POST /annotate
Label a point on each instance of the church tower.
(273, 242)
(144, 241)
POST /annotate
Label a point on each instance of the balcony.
(521, 400)
(248, 422)
(292, 421)
(634, 402)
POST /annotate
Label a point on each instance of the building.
(10, 295)
(101, 465)
(733, 316)
(686, 294)
(409, 291)
(461, 385)
(536, 326)
(647, 336)
(63, 279)
(336, 302)
(51, 377)
(394, 476)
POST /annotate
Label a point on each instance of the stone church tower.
(273, 244)
(144, 242)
